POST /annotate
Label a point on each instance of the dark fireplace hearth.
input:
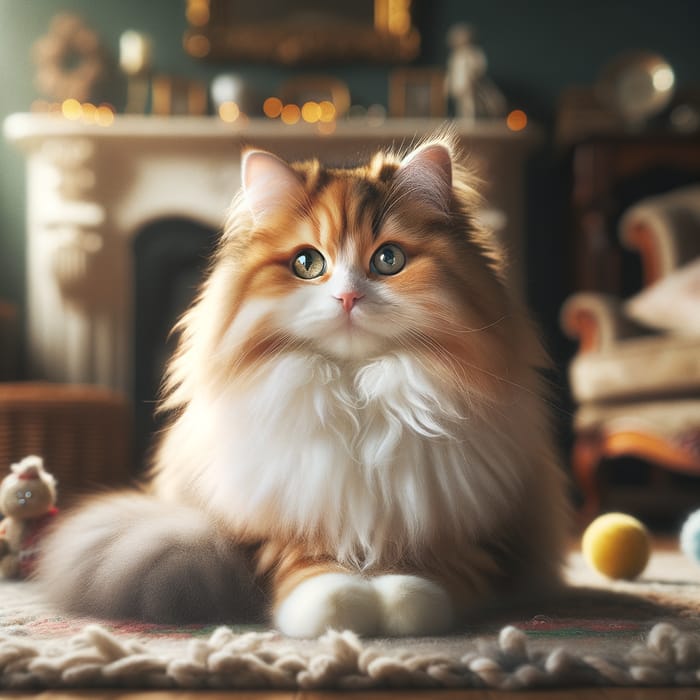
(170, 259)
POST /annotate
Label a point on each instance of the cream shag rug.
(645, 632)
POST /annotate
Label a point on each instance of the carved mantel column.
(71, 261)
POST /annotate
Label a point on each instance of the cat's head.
(355, 263)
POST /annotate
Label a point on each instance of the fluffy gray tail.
(131, 556)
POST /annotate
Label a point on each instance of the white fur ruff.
(377, 457)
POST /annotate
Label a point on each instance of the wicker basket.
(82, 432)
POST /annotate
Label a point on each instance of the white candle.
(134, 52)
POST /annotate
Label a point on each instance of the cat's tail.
(131, 556)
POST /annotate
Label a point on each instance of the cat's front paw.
(412, 606)
(330, 601)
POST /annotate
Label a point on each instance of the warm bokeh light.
(104, 115)
(399, 20)
(198, 45)
(327, 111)
(272, 107)
(516, 120)
(89, 112)
(311, 112)
(197, 13)
(290, 114)
(392, 16)
(229, 111)
(71, 109)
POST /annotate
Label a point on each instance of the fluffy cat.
(358, 436)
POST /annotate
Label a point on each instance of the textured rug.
(638, 633)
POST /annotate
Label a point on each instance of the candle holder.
(135, 63)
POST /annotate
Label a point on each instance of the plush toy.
(690, 537)
(617, 546)
(27, 500)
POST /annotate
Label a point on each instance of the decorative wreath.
(69, 59)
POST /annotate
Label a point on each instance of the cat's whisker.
(449, 328)
(524, 388)
(466, 331)
(457, 365)
(435, 348)
(283, 341)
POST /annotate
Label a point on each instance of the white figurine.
(466, 65)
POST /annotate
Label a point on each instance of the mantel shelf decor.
(92, 189)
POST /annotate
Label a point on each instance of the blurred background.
(575, 114)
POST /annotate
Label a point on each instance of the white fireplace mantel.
(91, 189)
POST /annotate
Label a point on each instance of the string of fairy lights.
(74, 110)
(323, 114)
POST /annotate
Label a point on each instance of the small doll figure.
(27, 500)
(472, 93)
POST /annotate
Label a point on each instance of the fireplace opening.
(170, 259)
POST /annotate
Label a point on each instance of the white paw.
(329, 601)
(412, 606)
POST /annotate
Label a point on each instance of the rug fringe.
(96, 657)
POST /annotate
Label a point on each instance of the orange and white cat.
(358, 437)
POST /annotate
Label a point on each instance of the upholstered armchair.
(636, 376)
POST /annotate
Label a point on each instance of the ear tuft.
(427, 171)
(269, 184)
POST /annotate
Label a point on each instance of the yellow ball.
(616, 545)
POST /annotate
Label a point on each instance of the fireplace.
(120, 220)
(169, 257)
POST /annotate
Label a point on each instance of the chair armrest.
(664, 230)
(596, 320)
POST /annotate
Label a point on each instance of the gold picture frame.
(293, 32)
(417, 92)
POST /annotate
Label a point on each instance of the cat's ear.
(427, 174)
(269, 184)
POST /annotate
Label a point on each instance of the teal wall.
(535, 48)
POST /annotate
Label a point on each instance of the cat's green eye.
(308, 264)
(388, 260)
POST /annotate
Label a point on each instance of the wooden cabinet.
(608, 173)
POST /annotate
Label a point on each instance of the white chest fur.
(366, 455)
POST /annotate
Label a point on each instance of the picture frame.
(295, 32)
(417, 92)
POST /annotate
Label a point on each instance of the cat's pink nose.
(348, 299)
